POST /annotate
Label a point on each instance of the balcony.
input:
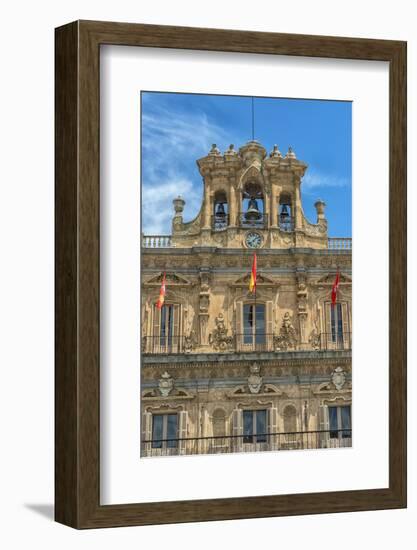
(246, 343)
(164, 241)
(248, 443)
(156, 241)
(339, 243)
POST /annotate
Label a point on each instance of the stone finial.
(231, 150)
(320, 205)
(178, 203)
(290, 154)
(275, 153)
(214, 151)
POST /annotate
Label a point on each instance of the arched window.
(220, 219)
(285, 213)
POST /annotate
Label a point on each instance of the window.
(164, 431)
(254, 324)
(167, 325)
(339, 422)
(336, 322)
(166, 329)
(337, 325)
(254, 426)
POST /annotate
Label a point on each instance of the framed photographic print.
(230, 274)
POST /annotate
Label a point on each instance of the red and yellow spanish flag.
(252, 282)
(162, 292)
(335, 288)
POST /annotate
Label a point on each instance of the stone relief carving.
(314, 338)
(190, 342)
(219, 338)
(338, 378)
(287, 338)
(166, 384)
(254, 378)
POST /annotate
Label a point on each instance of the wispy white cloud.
(157, 200)
(171, 142)
(315, 180)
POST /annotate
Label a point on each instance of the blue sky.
(177, 129)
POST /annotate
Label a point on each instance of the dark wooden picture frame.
(77, 372)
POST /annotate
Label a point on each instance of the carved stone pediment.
(261, 280)
(170, 278)
(330, 278)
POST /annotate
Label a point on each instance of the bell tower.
(251, 200)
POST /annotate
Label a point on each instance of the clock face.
(253, 240)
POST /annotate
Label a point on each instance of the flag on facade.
(335, 288)
(252, 283)
(162, 292)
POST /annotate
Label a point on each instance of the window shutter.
(324, 425)
(269, 326)
(177, 341)
(328, 324)
(182, 431)
(146, 433)
(154, 344)
(239, 325)
(346, 328)
(237, 421)
(273, 427)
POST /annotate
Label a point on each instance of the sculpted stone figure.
(219, 338)
(287, 338)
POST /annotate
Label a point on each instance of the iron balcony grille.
(335, 341)
(286, 224)
(246, 342)
(218, 223)
(262, 221)
(248, 443)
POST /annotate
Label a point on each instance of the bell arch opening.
(253, 205)
(220, 216)
(285, 213)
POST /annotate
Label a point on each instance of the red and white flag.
(335, 288)
(162, 292)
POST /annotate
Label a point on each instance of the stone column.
(207, 203)
(297, 203)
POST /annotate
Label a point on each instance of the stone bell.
(220, 213)
(252, 214)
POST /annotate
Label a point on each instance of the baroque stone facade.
(224, 370)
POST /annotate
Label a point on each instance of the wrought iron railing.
(339, 243)
(165, 345)
(319, 439)
(246, 342)
(286, 224)
(218, 223)
(260, 222)
(254, 341)
(335, 340)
